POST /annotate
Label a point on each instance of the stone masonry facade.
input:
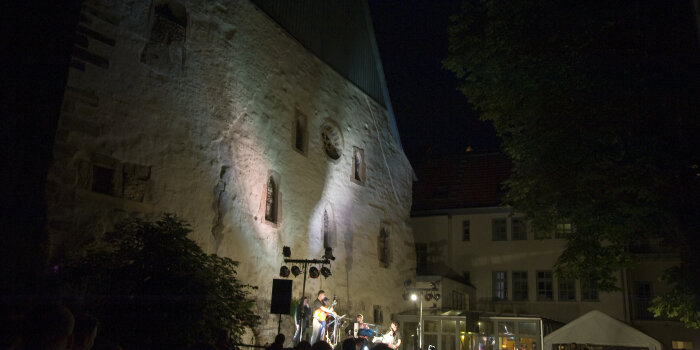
(211, 111)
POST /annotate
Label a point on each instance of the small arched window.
(328, 228)
(271, 201)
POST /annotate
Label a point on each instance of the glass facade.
(449, 332)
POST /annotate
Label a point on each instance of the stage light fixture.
(326, 272)
(404, 296)
(414, 297)
(296, 271)
(284, 271)
(328, 254)
(428, 297)
(437, 296)
(313, 272)
(286, 251)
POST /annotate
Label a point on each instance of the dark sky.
(430, 112)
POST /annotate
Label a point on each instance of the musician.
(321, 311)
(350, 330)
(302, 316)
(396, 334)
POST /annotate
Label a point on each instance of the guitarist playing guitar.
(321, 311)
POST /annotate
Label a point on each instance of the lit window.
(681, 345)
(500, 285)
(563, 230)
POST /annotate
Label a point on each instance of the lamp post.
(419, 293)
(420, 318)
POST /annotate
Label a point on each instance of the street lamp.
(415, 296)
(418, 294)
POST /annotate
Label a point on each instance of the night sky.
(432, 116)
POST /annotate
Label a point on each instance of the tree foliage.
(154, 288)
(597, 105)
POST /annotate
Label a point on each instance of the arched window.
(328, 228)
(271, 201)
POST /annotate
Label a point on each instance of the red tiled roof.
(460, 181)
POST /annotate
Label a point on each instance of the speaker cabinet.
(281, 296)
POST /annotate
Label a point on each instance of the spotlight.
(284, 271)
(329, 254)
(414, 297)
(437, 296)
(296, 270)
(313, 272)
(428, 297)
(326, 272)
(286, 251)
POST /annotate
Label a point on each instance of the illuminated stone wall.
(192, 110)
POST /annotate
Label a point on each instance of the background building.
(263, 124)
(463, 232)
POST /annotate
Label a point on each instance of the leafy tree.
(152, 287)
(597, 106)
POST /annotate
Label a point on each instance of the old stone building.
(262, 126)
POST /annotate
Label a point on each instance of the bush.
(152, 287)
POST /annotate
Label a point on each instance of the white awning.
(598, 328)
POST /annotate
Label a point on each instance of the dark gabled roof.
(459, 181)
(340, 33)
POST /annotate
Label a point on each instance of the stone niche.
(106, 175)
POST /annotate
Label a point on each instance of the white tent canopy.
(598, 328)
